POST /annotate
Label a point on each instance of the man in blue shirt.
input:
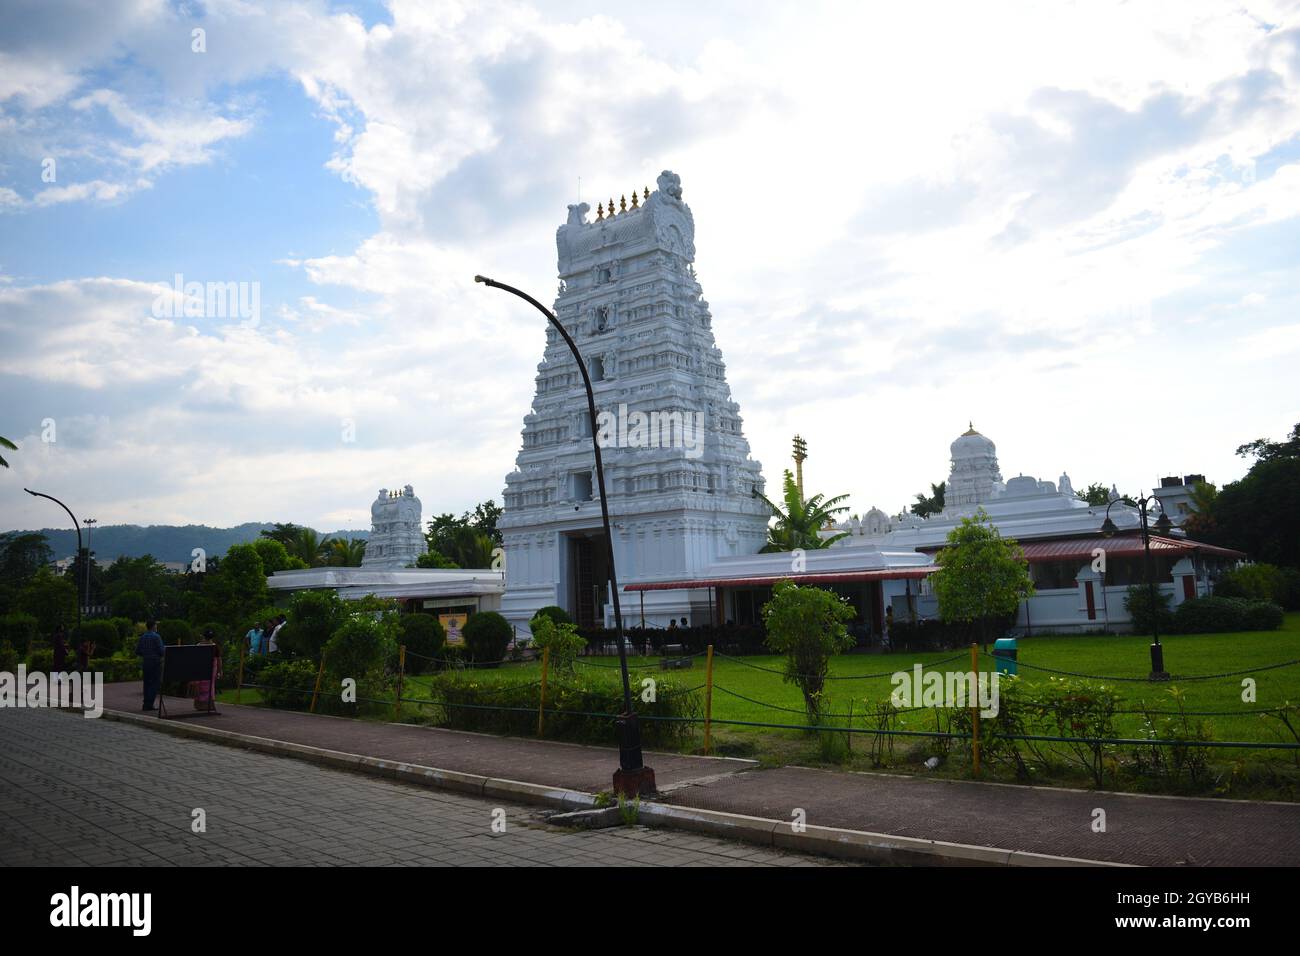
(150, 651)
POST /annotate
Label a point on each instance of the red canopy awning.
(1120, 546)
(763, 580)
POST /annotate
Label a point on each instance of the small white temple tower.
(396, 536)
(682, 487)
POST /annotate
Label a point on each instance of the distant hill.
(166, 542)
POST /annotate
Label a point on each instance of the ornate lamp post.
(1163, 526)
(632, 777)
(39, 494)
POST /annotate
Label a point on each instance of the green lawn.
(759, 678)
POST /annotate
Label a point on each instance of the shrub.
(1261, 582)
(103, 633)
(9, 658)
(556, 615)
(563, 641)
(1074, 707)
(1145, 615)
(125, 631)
(175, 631)
(568, 700)
(357, 648)
(313, 617)
(1215, 615)
(487, 635)
(424, 637)
(18, 630)
(286, 684)
(40, 658)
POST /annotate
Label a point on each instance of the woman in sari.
(202, 690)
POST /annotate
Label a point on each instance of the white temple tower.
(974, 478)
(678, 499)
(396, 537)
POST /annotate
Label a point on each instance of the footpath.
(882, 818)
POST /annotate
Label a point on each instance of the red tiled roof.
(1120, 546)
(761, 580)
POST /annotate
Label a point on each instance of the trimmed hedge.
(1213, 615)
(424, 637)
(103, 633)
(174, 630)
(467, 702)
(557, 615)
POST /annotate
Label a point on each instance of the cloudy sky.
(1077, 225)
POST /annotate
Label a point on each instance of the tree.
(931, 504)
(275, 556)
(235, 590)
(313, 617)
(1098, 495)
(50, 599)
(285, 533)
(799, 521)
(1260, 514)
(22, 554)
(435, 559)
(347, 552)
(982, 577)
(807, 626)
(309, 547)
(6, 443)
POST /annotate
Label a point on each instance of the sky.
(1076, 225)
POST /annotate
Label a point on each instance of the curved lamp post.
(1163, 526)
(633, 777)
(39, 494)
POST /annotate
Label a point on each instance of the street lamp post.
(90, 527)
(1163, 526)
(632, 777)
(39, 494)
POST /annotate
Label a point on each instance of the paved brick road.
(94, 792)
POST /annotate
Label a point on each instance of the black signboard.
(183, 663)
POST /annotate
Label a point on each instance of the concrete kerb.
(859, 845)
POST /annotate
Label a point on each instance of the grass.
(772, 700)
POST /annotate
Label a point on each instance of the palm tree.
(798, 523)
(932, 503)
(6, 443)
(346, 553)
(471, 548)
(310, 547)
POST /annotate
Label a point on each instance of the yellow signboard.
(452, 623)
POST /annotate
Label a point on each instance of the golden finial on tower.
(635, 202)
(647, 192)
(611, 207)
(600, 211)
(622, 203)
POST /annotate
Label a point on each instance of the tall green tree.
(982, 576)
(284, 532)
(309, 547)
(932, 503)
(798, 520)
(1260, 514)
(50, 599)
(235, 590)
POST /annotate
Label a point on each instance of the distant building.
(396, 534)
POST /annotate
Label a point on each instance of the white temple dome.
(971, 444)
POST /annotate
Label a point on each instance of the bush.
(132, 605)
(175, 631)
(9, 658)
(286, 684)
(1144, 615)
(126, 634)
(567, 700)
(556, 615)
(807, 626)
(487, 635)
(357, 648)
(1215, 615)
(40, 659)
(424, 636)
(18, 630)
(313, 617)
(103, 633)
(563, 641)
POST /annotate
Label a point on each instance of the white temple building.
(678, 472)
(396, 534)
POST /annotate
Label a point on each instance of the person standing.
(85, 650)
(202, 690)
(149, 648)
(60, 642)
(273, 642)
(254, 639)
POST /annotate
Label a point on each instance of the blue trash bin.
(1004, 649)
